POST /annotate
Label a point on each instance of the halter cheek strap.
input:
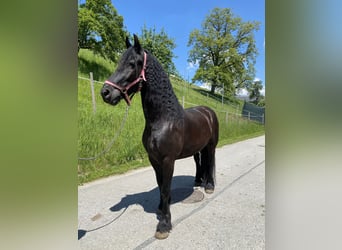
(124, 90)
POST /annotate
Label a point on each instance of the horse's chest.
(162, 140)
(150, 140)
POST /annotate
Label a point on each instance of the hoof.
(209, 191)
(209, 188)
(161, 236)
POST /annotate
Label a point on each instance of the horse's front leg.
(164, 226)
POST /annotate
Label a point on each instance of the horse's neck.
(158, 99)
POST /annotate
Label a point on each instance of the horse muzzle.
(110, 95)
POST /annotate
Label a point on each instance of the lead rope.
(111, 143)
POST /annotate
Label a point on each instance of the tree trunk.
(213, 87)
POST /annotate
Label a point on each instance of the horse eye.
(132, 65)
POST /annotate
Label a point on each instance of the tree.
(100, 28)
(161, 46)
(254, 92)
(225, 50)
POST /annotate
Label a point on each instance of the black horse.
(170, 131)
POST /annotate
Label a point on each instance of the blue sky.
(179, 18)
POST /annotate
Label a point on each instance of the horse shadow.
(181, 188)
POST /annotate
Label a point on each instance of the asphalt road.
(119, 212)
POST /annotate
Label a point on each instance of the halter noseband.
(125, 89)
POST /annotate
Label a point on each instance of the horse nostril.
(105, 92)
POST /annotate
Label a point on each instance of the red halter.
(139, 80)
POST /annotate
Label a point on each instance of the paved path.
(119, 212)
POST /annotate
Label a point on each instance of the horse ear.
(128, 43)
(137, 45)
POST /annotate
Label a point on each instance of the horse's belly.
(187, 154)
(190, 150)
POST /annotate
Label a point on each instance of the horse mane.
(162, 96)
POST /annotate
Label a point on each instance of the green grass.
(97, 130)
(88, 62)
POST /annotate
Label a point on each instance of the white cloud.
(242, 92)
(205, 86)
(192, 65)
(262, 91)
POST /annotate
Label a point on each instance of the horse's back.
(202, 113)
(201, 109)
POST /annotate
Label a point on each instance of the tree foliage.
(254, 93)
(100, 28)
(161, 46)
(225, 51)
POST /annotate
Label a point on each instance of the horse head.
(128, 76)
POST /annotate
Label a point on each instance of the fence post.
(249, 115)
(222, 93)
(183, 101)
(262, 118)
(92, 91)
(226, 116)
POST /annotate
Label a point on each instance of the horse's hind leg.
(199, 170)
(208, 163)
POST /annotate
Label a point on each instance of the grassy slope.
(97, 130)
